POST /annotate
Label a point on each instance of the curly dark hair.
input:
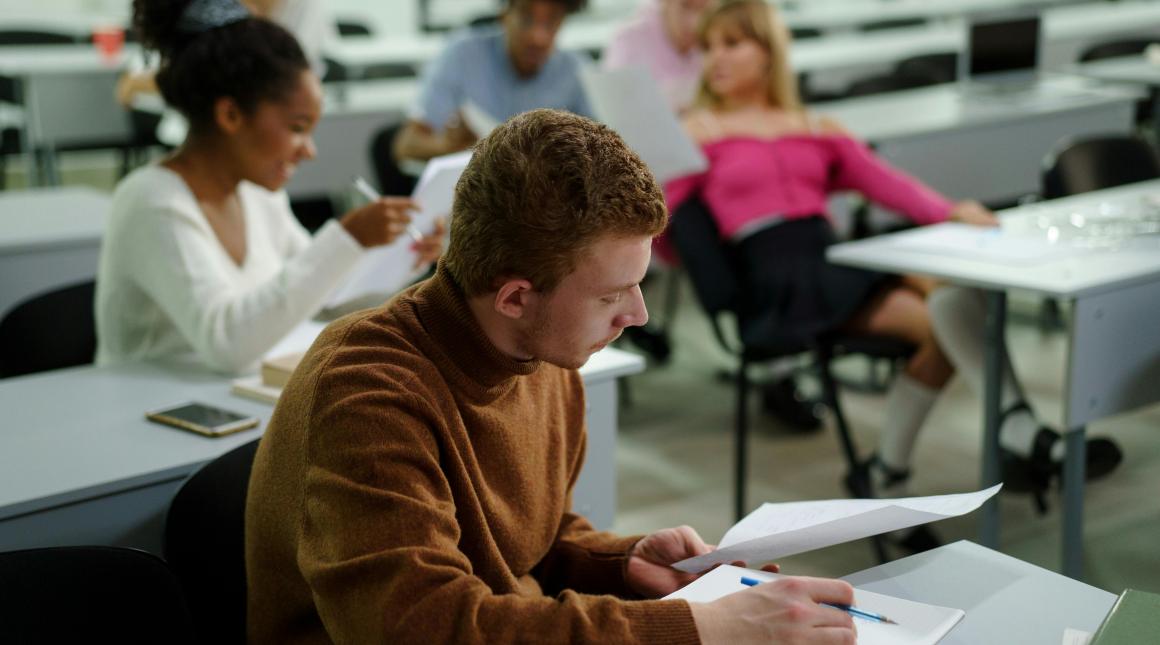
(250, 61)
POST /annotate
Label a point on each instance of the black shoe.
(783, 400)
(653, 343)
(1034, 474)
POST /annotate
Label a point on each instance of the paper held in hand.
(386, 269)
(630, 102)
(779, 530)
(916, 623)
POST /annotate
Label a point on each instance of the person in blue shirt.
(503, 70)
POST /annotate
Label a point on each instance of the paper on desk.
(779, 530)
(386, 269)
(1076, 637)
(918, 623)
(477, 119)
(993, 244)
(629, 101)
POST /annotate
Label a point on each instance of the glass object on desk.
(1106, 225)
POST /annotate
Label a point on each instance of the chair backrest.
(893, 23)
(90, 594)
(886, 83)
(49, 331)
(1115, 48)
(205, 544)
(1079, 166)
(705, 257)
(941, 67)
(35, 37)
(348, 28)
(392, 180)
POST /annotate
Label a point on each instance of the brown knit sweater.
(414, 486)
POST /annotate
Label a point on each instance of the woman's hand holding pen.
(379, 222)
(972, 212)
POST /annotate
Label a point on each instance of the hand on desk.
(972, 212)
(649, 572)
(786, 610)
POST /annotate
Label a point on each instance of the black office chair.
(941, 67)
(892, 23)
(392, 180)
(882, 83)
(90, 594)
(713, 269)
(205, 545)
(49, 331)
(1094, 163)
(352, 29)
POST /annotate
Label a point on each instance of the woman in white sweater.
(203, 256)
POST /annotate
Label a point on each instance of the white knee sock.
(907, 404)
(958, 316)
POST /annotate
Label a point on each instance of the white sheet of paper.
(779, 530)
(298, 340)
(993, 244)
(1076, 637)
(918, 623)
(630, 102)
(477, 119)
(386, 269)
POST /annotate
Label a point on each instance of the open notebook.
(918, 623)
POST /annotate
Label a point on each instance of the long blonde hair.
(757, 21)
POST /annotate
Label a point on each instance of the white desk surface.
(1121, 69)
(80, 433)
(822, 14)
(1005, 599)
(52, 217)
(1084, 273)
(23, 60)
(935, 108)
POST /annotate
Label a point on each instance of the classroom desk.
(49, 238)
(1130, 70)
(67, 96)
(986, 149)
(79, 464)
(1113, 359)
(1006, 600)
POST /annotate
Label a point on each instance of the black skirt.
(790, 293)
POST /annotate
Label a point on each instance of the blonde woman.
(772, 166)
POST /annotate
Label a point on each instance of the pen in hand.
(850, 609)
(368, 191)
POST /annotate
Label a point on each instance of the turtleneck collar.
(442, 309)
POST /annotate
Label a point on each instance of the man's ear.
(513, 298)
(227, 114)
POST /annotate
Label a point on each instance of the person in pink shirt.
(662, 38)
(772, 166)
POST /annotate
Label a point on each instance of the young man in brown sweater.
(414, 484)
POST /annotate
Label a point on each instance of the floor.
(675, 457)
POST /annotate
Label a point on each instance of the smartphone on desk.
(203, 419)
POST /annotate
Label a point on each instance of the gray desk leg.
(1073, 479)
(993, 383)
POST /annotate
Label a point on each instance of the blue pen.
(850, 609)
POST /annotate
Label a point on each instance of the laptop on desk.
(1001, 60)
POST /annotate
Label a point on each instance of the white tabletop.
(24, 60)
(1006, 600)
(913, 113)
(1077, 272)
(52, 217)
(73, 434)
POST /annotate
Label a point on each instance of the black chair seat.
(90, 594)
